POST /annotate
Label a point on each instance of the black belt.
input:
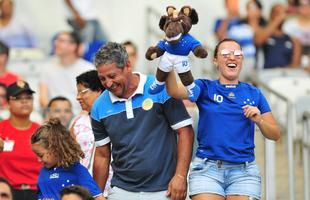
(219, 163)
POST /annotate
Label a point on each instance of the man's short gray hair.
(111, 52)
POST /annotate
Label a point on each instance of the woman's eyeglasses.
(83, 91)
(227, 52)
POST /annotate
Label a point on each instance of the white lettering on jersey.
(218, 98)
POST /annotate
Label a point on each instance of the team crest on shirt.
(231, 95)
(54, 175)
(147, 104)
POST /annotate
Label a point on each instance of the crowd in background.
(68, 86)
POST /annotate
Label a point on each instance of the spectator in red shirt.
(19, 164)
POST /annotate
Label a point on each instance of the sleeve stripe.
(102, 142)
(97, 195)
(182, 124)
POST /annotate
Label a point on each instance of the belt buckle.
(219, 163)
(24, 186)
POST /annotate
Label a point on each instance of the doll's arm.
(200, 52)
(154, 52)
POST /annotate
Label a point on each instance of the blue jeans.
(224, 178)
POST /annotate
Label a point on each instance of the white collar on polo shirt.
(139, 89)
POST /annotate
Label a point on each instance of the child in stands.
(60, 154)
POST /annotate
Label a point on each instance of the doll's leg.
(165, 66)
(159, 83)
(188, 81)
(187, 78)
(161, 76)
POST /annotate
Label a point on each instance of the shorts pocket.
(200, 166)
(252, 170)
(197, 164)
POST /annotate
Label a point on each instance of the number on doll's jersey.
(184, 63)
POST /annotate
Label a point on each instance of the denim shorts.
(224, 178)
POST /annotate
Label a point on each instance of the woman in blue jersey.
(60, 154)
(224, 166)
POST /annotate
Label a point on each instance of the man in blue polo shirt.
(151, 135)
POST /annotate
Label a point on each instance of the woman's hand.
(253, 113)
(266, 122)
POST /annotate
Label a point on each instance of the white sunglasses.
(227, 52)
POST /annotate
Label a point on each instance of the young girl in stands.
(60, 155)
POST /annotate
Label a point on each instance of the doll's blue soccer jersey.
(52, 181)
(224, 133)
(186, 44)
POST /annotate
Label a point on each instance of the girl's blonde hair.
(54, 137)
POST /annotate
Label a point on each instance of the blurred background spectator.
(6, 77)
(132, 52)
(223, 25)
(254, 15)
(235, 28)
(279, 49)
(58, 74)
(82, 18)
(15, 31)
(299, 26)
(88, 49)
(59, 107)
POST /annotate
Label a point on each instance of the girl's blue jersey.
(52, 181)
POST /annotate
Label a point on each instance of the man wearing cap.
(19, 164)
